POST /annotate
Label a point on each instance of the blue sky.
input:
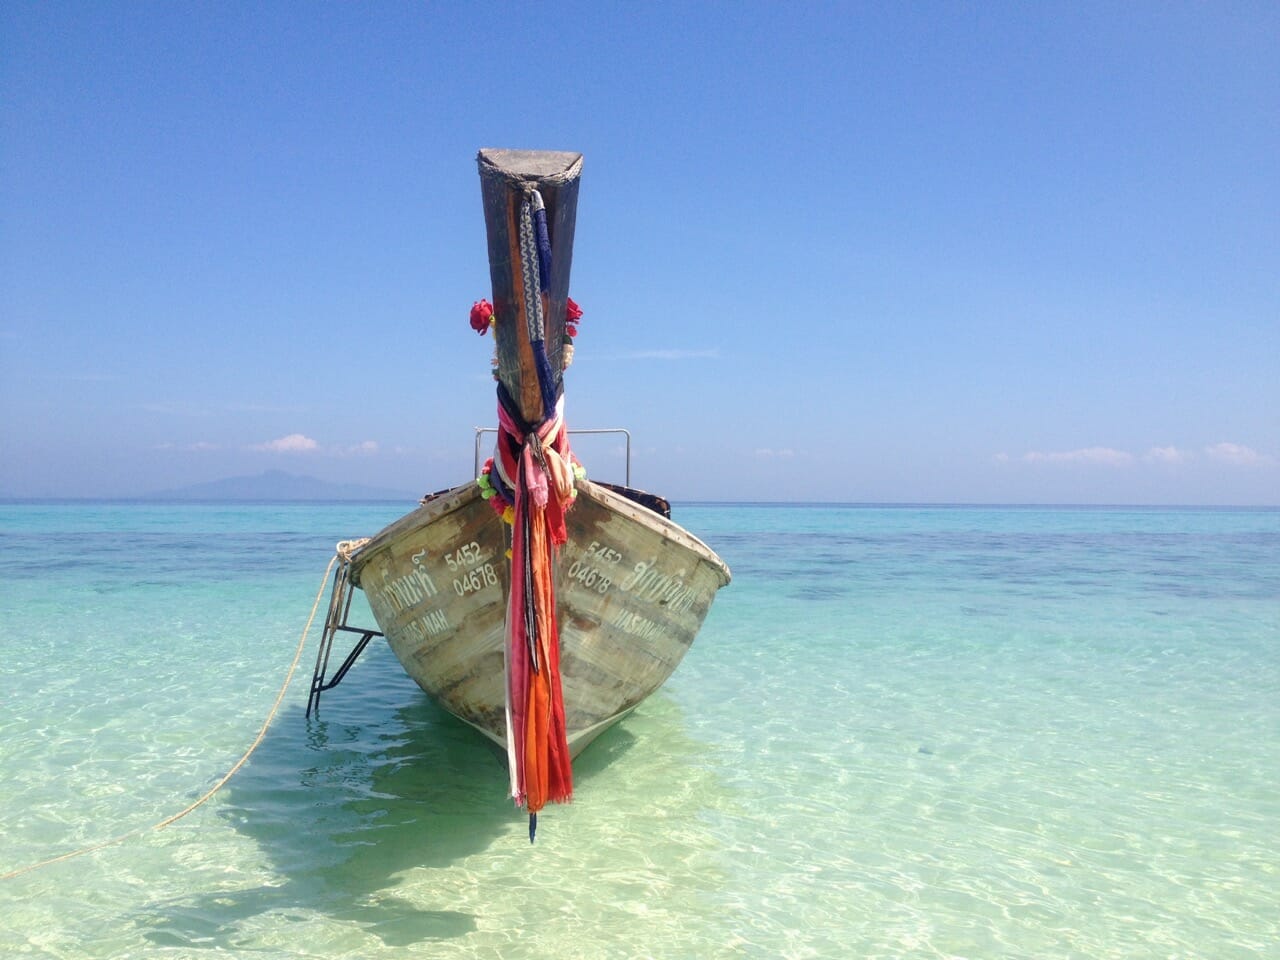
(859, 252)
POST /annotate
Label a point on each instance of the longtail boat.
(534, 604)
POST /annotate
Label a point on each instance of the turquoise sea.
(904, 732)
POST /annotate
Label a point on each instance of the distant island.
(279, 485)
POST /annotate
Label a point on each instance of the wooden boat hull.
(632, 590)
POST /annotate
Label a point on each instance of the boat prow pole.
(506, 178)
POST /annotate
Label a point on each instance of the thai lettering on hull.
(401, 593)
(647, 582)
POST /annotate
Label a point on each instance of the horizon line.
(881, 504)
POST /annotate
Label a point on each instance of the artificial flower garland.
(482, 318)
(503, 507)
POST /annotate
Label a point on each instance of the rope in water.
(275, 707)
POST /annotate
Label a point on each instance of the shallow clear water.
(903, 732)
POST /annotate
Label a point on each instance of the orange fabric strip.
(548, 775)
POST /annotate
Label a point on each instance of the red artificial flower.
(481, 316)
(572, 314)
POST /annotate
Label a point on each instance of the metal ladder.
(335, 622)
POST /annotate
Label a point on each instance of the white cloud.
(1234, 453)
(765, 453)
(1100, 455)
(300, 443)
(293, 443)
(1167, 455)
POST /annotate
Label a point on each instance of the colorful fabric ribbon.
(533, 471)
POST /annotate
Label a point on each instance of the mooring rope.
(275, 707)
